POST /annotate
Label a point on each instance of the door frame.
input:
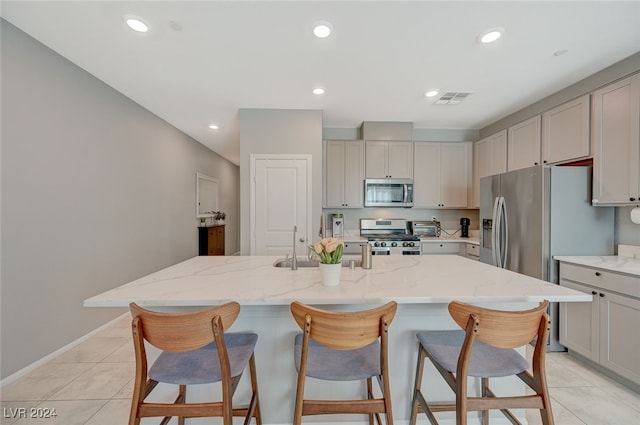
(253, 158)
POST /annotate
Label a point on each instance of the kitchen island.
(421, 285)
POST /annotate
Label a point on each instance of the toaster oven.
(426, 228)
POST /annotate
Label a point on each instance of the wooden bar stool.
(485, 349)
(343, 346)
(196, 350)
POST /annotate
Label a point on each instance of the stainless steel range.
(389, 236)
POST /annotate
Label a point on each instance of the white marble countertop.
(252, 280)
(614, 263)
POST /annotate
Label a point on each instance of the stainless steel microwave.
(388, 193)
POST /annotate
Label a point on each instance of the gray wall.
(279, 131)
(96, 192)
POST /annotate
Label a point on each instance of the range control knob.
(376, 244)
(383, 244)
(394, 244)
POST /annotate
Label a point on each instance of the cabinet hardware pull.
(593, 292)
(632, 199)
(598, 274)
(601, 295)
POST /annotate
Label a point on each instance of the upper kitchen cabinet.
(389, 159)
(442, 175)
(344, 174)
(524, 144)
(615, 130)
(389, 149)
(565, 132)
(489, 158)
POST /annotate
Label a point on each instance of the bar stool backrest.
(179, 332)
(504, 329)
(343, 330)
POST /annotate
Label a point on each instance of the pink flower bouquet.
(329, 250)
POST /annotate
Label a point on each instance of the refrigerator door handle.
(505, 252)
(494, 232)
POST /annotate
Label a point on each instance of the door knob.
(302, 239)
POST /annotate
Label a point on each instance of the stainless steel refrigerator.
(530, 215)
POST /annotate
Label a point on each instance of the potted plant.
(219, 216)
(329, 250)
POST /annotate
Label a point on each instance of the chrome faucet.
(294, 259)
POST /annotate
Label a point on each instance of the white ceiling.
(376, 66)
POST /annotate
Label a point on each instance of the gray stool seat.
(339, 365)
(202, 366)
(486, 361)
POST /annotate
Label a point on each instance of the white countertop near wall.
(614, 263)
(407, 279)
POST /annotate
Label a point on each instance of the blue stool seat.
(339, 365)
(486, 361)
(202, 366)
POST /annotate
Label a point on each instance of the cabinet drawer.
(441, 248)
(599, 278)
(473, 250)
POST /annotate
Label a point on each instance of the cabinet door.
(334, 174)
(376, 160)
(619, 340)
(216, 240)
(455, 170)
(579, 322)
(489, 158)
(426, 181)
(565, 132)
(616, 142)
(354, 174)
(524, 144)
(400, 160)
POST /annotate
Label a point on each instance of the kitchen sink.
(286, 263)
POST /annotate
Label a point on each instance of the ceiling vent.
(452, 98)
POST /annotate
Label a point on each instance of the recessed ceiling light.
(322, 29)
(213, 127)
(318, 90)
(560, 52)
(432, 93)
(137, 24)
(491, 35)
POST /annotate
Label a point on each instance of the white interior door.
(281, 199)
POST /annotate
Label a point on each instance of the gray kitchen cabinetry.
(442, 248)
(489, 159)
(605, 330)
(565, 132)
(344, 167)
(472, 251)
(389, 159)
(615, 130)
(442, 175)
(524, 141)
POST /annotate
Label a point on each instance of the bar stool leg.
(417, 384)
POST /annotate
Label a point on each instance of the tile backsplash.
(630, 251)
(449, 219)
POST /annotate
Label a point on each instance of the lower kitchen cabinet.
(211, 240)
(605, 330)
(444, 248)
(472, 251)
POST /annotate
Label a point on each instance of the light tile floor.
(91, 384)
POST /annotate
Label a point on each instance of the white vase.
(330, 274)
